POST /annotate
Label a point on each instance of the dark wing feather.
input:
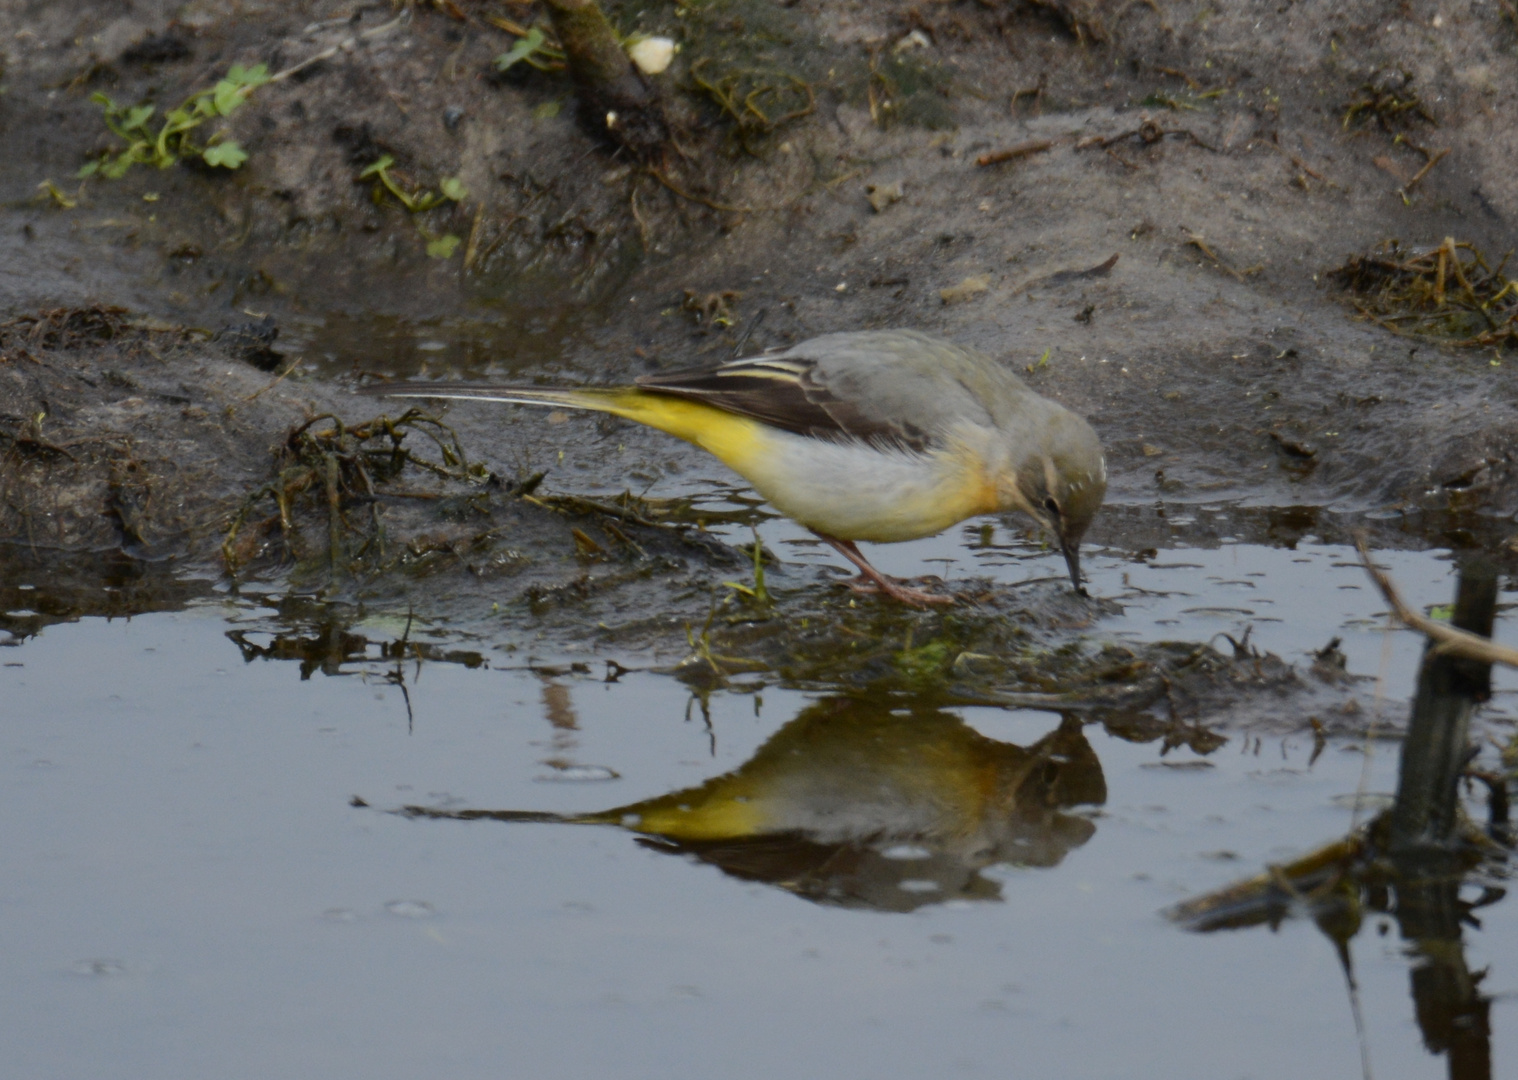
(786, 393)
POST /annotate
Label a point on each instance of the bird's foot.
(871, 580)
(885, 586)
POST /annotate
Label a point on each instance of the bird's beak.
(1072, 552)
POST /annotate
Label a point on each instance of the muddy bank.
(1228, 159)
(489, 565)
(1138, 208)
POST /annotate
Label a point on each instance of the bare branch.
(1451, 641)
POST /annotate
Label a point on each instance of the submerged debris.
(1448, 294)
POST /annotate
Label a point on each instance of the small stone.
(883, 195)
(968, 289)
(652, 54)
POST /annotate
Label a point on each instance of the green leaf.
(88, 170)
(136, 117)
(103, 101)
(253, 76)
(453, 189)
(524, 48)
(378, 167)
(227, 96)
(227, 154)
(546, 111)
(116, 168)
(444, 246)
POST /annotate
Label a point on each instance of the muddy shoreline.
(146, 401)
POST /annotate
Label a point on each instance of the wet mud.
(1140, 208)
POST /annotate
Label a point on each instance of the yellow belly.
(852, 490)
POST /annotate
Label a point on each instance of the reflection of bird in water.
(859, 804)
(881, 435)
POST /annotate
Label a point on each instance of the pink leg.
(871, 580)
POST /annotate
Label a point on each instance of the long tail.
(536, 817)
(611, 399)
(733, 439)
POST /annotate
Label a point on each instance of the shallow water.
(191, 894)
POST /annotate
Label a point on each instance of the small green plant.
(534, 49)
(51, 192)
(758, 594)
(173, 142)
(450, 189)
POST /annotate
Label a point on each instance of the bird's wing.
(887, 387)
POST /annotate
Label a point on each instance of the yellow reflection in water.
(861, 803)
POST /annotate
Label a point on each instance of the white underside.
(854, 490)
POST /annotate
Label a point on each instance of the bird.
(878, 436)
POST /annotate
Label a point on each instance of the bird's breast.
(863, 491)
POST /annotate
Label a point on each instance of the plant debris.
(754, 101)
(1388, 99)
(63, 328)
(1448, 294)
(1148, 133)
(338, 468)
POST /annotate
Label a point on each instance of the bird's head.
(1062, 484)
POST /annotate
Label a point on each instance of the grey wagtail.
(879, 435)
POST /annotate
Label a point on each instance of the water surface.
(190, 893)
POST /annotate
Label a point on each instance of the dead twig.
(1434, 159)
(1149, 132)
(1275, 144)
(1115, 156)
(996, 157)
(667, 182)
(1036, 92)
(1196, 240)
(1448, 639)
(1191, 84)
